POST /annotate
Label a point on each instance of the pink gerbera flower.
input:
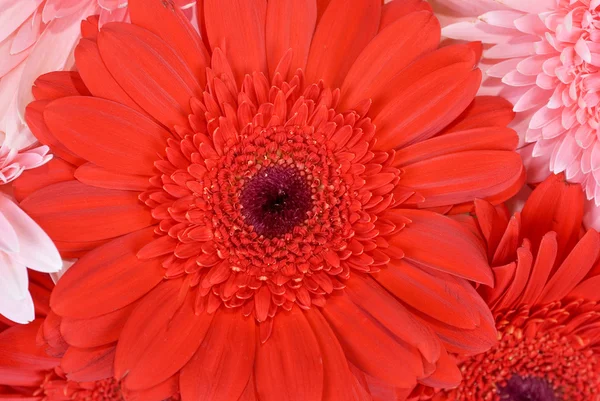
(544, 56)
(37, 36)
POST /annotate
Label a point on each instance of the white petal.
(15, 301)
(8, 240)
(36, 249)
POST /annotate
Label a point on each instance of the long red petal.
(97, 77)
(57, 84)
(344, 30)
(443, 244)
(431, 294)
(96, 176)
(55, 171)
(370, 346)
(238, 28)
(394, 316)
(171, 337)
(282, 35)
(222, 366)
(388, 53)
(96, 331)
(461, 177)
(107, 279)
(165, 87)
(106, 133)
(89, 364)
(574, 268)
(167, 21)
(289, 366)
(554, 205)
(22, 362)
(74, 212)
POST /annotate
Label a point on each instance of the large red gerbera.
(545, 301)
(249, 208)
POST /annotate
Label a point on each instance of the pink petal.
(36, 249)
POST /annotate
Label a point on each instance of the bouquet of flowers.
(299, 200)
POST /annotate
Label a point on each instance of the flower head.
(23, 245)
(545, 303)
(544, 56)
(248, 206)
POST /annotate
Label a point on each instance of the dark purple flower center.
(526, 388)
(276, 200)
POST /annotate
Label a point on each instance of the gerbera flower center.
(272, 198)
(275, 201)
(519, 388)
(56, 387)
(542, 352)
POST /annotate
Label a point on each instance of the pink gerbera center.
(272, 198)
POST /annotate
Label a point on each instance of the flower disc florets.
(546, 349)
(270, 198)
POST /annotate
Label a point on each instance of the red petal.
(446, 375)
(370, 346)
(170, 338)
(221, 368)
(23, 362)
(460, 340)
(89, 364)
(281, 35)
(391, 314)
(149, 71)
(161, 392)
(96, 76)
(55, 171)
(517, 286)
(339, 383)
(587, 290)
(492, 138)
(168, 21)
(106, 133)
(574, 268)
(107, 278)
(289, 365)
(461, 177)
(238, 28)
(345, 29)
(89, 27)
(484, 111)
(394, 10)
(424, 107)
(544, 262)
(72, 211)
(442, 244)
(554, 205)
(387, 54)
(55, 85)
(431, 293)
(96, 176)
(96, 331)
(34, 116)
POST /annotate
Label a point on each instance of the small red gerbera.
(249, 206)
(30, 370)
(545, 301)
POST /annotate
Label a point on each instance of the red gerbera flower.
(545, 301)
(249, 208)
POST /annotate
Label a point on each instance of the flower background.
(299, 200)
